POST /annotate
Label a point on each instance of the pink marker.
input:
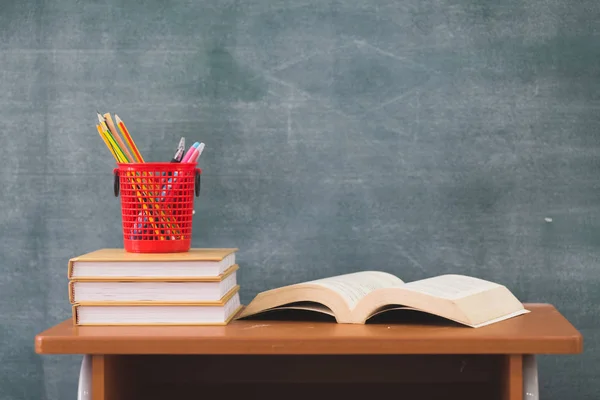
(189, 153)
(192, 158)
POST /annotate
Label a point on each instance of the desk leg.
(98, 377)
(110, 380)
(512, 379)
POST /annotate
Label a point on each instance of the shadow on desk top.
(543, 331)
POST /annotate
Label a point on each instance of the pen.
(196, 155)
(179, 152)
(189, 153)
(200, 148)
(176, 159)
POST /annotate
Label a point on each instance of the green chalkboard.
(417, 137)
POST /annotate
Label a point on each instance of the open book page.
(498, 319)
(470, 301)
(353, 287)
(451, 287)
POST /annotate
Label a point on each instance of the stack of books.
(114, 287)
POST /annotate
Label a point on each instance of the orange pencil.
(129, 140)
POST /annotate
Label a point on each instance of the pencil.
(112, 139)
(114, 144)
(134, 149)
(101, 133)
(115, 133)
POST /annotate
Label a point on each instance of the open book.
(355, 298)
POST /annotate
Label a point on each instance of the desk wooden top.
(543, 331)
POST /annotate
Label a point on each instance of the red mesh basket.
(157, 204)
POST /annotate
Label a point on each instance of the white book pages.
(156, 314)
(85, 269)
(91, 291)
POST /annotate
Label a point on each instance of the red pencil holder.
(157, 205)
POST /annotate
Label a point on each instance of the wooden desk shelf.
(300, 360)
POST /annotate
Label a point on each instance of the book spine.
(70, 266)
(71, 289)
(75, 319)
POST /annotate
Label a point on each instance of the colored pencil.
(127, 136)
(113, 140)
(114, 144)
(101, 133)
(115, 133)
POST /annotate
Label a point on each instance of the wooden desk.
(300, 360)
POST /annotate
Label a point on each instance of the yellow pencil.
(114, 144)
(112, 140)
(101, 133)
